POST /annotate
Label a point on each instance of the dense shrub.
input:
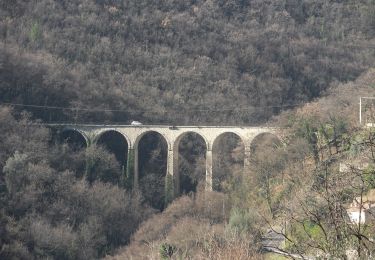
(50, 213)
(191, 228)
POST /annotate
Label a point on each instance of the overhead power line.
(150, 110)
(62, 108)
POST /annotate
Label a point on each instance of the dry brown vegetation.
(49, 212)
(340, 100)
(179, 62)
(182, 62)
(278, 188)
(196, 228)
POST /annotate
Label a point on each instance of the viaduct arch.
(172, 135)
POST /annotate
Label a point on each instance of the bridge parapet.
(172, 134)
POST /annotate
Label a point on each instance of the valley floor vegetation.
(179, 62)
(301, 65)
(295, 189)
(54, 205)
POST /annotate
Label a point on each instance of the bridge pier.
(172, 135)
(208, 170)
(172, 177)
(171, 184)
(246, 159)
(131, 172)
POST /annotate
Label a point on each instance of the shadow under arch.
(76, 139)
(68, 146)
(152, 149)
(191, 148)
(117, 144)
(228, 151)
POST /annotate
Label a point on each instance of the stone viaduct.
(172, 135)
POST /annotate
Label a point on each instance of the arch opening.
(228, 160)
(69, 147)
(115, 143)
(192, 149)
(75, 139)
(152, 161)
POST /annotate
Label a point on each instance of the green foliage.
(243, 222)
(369, 176)
(169, 190)
(35, 32)
(307, 130)
(166, 251)
(152, 151)
(305, 232)
(101, 165)
(129, 178)
(333, 130)
(153, 190)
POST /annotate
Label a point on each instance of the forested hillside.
(295, 190)
(180, 62)
(298, 64)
